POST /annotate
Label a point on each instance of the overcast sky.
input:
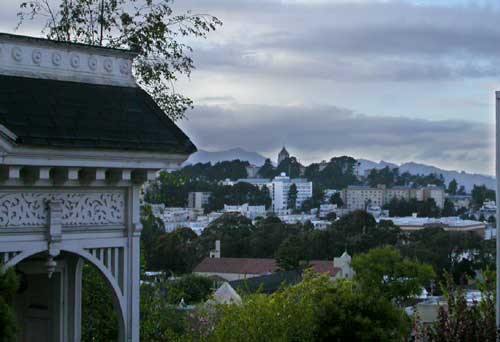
(392, 80)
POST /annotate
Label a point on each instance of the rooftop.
(426, 221)
(256, 266)
(52, 113)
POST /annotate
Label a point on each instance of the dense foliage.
(148, 27)
(315, 310)
(386, 272)
(463, 321)
(428, 208)
(480, 194)
(238, 194)
(338, 173)
(391, 177)
(99, 316)
(9, 284)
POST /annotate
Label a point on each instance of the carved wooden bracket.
(55, 226)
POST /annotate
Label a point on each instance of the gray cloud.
(316, 133)
(390, 40)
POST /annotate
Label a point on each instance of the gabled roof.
(50, 113)
(324, 267)
(269, 283)
(236, 265)
(256, 266)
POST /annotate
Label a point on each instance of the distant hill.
(232, 154)
(463, 178)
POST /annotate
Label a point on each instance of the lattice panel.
(28, 209)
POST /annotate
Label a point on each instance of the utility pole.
(497, 168)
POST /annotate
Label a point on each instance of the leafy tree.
(385, 176)
(286, 315)
(461, 190)
(192, 288)
(356, 232)
(290, 253)
(9, 284)
(337, 174)
(99, 317)
(234, 232)
(445, 251)
(428, 208)
(267, 170)
(148, 27)
(463, 322)
(346, 312)
(452, 187)
(160, 321)
(337, 199)
(480, 194)
(314, 310)
(234, 170)
(391, 275)
(402, 207)
(448, 208)
(238, 194)
(152, 229)
(268, 235)
(292, 197)
(175, 252)
(290, 166)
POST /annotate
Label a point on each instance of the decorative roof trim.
(41, 58)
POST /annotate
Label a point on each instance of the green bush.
(8, 288)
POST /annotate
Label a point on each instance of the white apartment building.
(198, 199)
(279, 188)
(362, 197)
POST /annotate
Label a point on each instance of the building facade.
(362, 197)
(78, 138)
(279, 189)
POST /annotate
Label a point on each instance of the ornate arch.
(96, 257)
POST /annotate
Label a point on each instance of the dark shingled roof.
(51, 113)
(268, 283)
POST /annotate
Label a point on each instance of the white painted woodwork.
(28, 57)
(66, 205)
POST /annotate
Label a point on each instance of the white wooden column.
(133, 272)
(74, 299)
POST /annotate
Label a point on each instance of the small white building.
(326, 209)
(249, 211)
